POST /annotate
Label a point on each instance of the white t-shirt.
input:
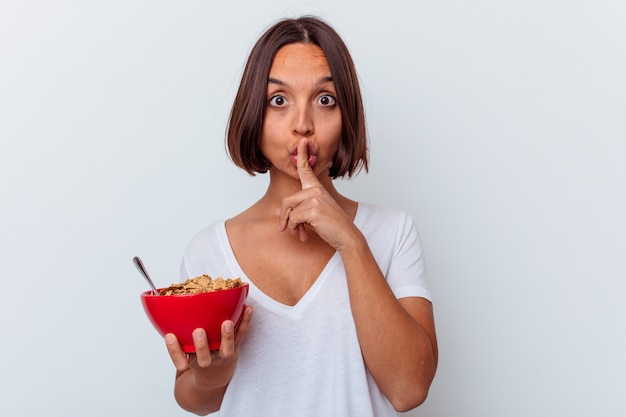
(305, 360)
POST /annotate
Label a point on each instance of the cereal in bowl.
(201, 284)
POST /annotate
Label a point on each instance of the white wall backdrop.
(500, 125)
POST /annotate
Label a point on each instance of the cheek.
(272, 128)
(333, 140)
(336, 132)
(268, 134)
(270, 141)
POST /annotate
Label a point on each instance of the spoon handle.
(139, 264)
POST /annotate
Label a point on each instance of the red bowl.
(181, 314)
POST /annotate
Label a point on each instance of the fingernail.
(228, 327)
(198, 334)
(170, 339)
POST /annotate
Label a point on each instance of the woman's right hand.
(211, 370)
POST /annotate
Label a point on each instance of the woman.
(342, 324)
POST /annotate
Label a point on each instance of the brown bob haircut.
(246, 118)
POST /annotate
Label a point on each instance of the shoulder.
(208, 240)
(206, 248)
(393, 238)
(373, 217)
(387, 229)
(372, 209)
(208, 235)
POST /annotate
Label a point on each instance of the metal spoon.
(142, 269)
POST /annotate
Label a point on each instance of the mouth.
(311, 153)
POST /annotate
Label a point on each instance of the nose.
(303, 121)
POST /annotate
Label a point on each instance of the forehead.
(299, 58)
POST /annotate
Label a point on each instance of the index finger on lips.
(305, 172)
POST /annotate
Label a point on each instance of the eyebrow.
(280, 83)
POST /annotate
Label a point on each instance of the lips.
(312, 160)
(311, 153)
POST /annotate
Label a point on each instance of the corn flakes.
(201, 284)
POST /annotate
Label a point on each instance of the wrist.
(353, 245)
(207, 384)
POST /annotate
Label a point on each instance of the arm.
(387, 328)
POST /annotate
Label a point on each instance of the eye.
(327, 100)
(278, 101)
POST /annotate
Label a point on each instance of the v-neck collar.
(268, 302)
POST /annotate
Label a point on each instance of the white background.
(499, 125)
